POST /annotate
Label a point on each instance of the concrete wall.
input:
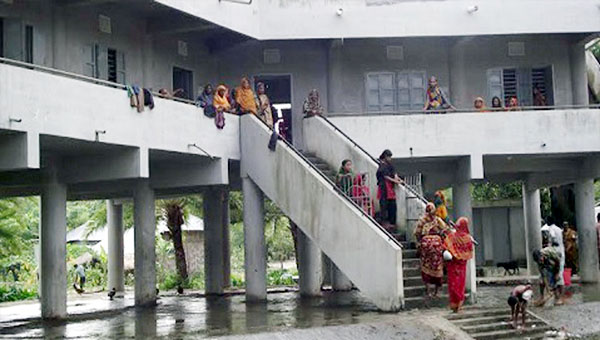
(317, 19)
(499, 229)
(357, 246)
(477, 134)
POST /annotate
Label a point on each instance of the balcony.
(89, 125)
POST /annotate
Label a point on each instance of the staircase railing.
(335, 187)
(361, 149)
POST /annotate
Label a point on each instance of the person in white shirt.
(555, 235)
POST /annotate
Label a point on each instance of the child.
(517, 301)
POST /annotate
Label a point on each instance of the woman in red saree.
(460, 245)
(429, 232)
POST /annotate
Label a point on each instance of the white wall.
(317, 19)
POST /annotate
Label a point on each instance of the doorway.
(183, 79)
(279, 90)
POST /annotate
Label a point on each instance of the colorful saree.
(428, 234)
(460, 245)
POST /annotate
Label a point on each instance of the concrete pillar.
(579, 82)
(461, 196)
(144, 233)
(53, 245)
(114, 220)
(586, 230)
(310, 266)
(255, 250)
(533, 222)
(216, 240)
(458, 86)
(339, 281)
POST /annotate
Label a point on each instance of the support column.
(114, 219)
(310, 266)
(579, 83)
(144, 233)
(339, 281)
(216, 240)
(461, 195)
(53, 245)
(458, 86)
(255, 250)
(586, 230)
(533, 224)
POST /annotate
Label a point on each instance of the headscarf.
(206, 98)
(245, 98)
(430, 208)
(312, 104)
(436, 98)
(221, 102)
(482, 108)
(440, 203)
(460, 243)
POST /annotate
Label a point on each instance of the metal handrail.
(334, 186)
(83, 78)
(412, 191)
(469, 110)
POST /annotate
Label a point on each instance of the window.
(28, 44)
(390, 91)
(104, 63)
(520, 82)
(183, 79)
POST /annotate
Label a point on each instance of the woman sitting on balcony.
(497, 104)
(435, 98)
(205, 101)
(429, 232)
(479, 105)
(245, 98)
(312, 104)
(513, 104)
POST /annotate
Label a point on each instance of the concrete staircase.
(488, 324)
(414, 289)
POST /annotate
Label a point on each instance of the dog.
(509, 266)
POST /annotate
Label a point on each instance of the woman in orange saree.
(460, 245)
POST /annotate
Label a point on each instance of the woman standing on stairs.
(429, 232)
(460, 245)
(387, 178)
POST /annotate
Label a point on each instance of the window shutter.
(404, 90)
(525, 90)
(510, 84)
(372, 92)
(102, 62)
(417, 89)
(495, 84)
(89, 57)
(13, 39)
(387, 92)
(121, 68)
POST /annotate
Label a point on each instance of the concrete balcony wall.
(73, 110)
(317, 19)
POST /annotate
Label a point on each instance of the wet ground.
(284, 316)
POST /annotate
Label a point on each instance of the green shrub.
(14, 293)
(280, 277)
(237, 281)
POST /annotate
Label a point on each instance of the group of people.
(244, 100)
(440, 242)
(436, 100)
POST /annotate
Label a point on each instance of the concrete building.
(68, 132)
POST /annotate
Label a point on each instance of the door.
(279, 90)
(183, 79)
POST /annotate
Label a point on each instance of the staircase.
(414, 289)
(489, 324)
(369, 256)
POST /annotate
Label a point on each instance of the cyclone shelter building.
(67, 131)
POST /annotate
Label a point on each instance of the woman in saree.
(264, 105)
(312, 104)
(460, 245)
(571, 248)
(439, 200)
(344, 177)
(435, 98)
(245, 98)
(429, 232)
(220, 100)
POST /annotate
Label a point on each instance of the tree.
(172, 213)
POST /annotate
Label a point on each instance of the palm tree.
(172, 213)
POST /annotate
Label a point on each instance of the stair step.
(411, 263)
(406, 244)
(416, 291)
(411, 272)
(511, 333)
(409, 253)
(421, 302)
(477, 312)
(411, 281)
(498, 326)
(482, 320)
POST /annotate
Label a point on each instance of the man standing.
(80, 275)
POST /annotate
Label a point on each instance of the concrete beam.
(144, 233)
(19, 151)
(513, 164)
(190, 174)
(119, 165)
